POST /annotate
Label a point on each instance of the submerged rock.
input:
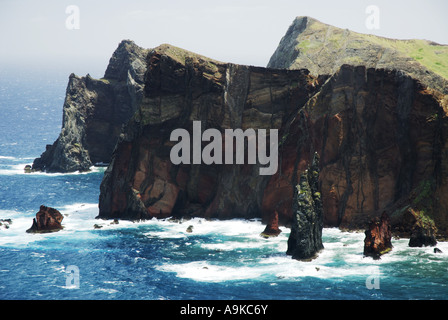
(47, 220)
(5, 223)
(378, 237)
(305, 239)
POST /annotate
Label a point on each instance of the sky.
(42, 33)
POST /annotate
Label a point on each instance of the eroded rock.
(47, 220)
(305, 239)
(378, 240)
(272, 229)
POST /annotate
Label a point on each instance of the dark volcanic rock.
(378, 240)
(94, 112)
(379, 133)
(47, 220)
(182, 87)
(305, 239)
(5, 223)
(422, 237)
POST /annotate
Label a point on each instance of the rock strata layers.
(381, 135)
(182, 87)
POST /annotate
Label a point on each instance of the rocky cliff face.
(380, 134)
(182, 87)
(94, 112)
(323, 49)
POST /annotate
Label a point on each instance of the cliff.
(380, 135)
(323, 49)
(182, 87)
(94, 111)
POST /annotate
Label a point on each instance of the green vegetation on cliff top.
(320, 40)
(429, 54)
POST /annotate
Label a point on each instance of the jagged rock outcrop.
(94, 112)
(47, 220)
(323, 49)
(272, 229)
(378, 240)
(305, 239)
(423, 231)
(182, 87)
(422, 237)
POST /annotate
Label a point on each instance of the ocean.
(159, 259)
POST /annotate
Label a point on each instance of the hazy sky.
(247, 32)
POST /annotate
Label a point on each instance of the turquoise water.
(159, 259)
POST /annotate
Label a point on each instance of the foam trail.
(19, 169)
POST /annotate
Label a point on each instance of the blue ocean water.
(159, 259)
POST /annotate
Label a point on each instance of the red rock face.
(378, 132)
(180, 88)
(47, 220)
(272, 229)
(378, 237)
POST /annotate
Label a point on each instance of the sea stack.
(305, 239)
(47, 220)
(378, 237)
(272, 229)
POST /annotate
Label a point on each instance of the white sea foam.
(77, 218)
(205, 271)
(342, 257)
(19, 169)
(255, 257)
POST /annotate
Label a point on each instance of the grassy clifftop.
(322, 48)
